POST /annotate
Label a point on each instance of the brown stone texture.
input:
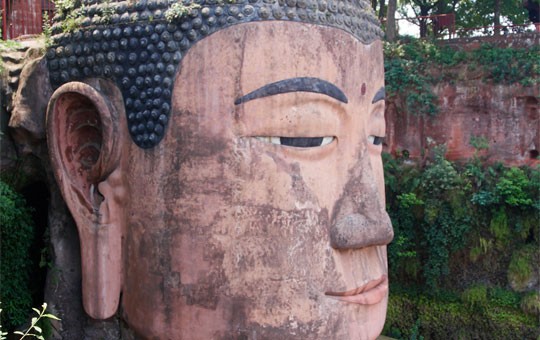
(507, 116)
(228, 241)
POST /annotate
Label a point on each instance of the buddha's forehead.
(140, 44)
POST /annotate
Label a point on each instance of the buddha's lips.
(369, 294)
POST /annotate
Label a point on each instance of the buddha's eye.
(299, 142)
(375, 140)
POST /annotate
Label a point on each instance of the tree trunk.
(391, 20)
(424, 11)
(497, 17)
(381, 9)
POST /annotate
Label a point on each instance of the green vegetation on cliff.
(464, 261)
(17, 237)
(413, 68)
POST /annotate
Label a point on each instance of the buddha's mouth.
(371, 293)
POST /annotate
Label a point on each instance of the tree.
(533, 9)
(484, 13)
(380, 7)
(424, 8)
(469, 13)
(391, 20)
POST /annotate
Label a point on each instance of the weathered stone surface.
(30, 101)
(507, 116)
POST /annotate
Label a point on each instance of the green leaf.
(50, 316)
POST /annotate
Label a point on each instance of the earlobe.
(85, 130)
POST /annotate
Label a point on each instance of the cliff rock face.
(504, 117)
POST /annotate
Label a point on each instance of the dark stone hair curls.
(139, 44)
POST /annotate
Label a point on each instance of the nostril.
(356, 231)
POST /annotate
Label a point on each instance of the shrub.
(467, 229)
(530, 303)
(17, 236)
(499, 227)
(513, 187)
(475, 297)
(522, 270)
(434, 318)
(503, 297)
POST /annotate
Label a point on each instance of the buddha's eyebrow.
(380, 95)
(300, 84)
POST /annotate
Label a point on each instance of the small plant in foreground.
(34, 330)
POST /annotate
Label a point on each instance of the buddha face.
(261, 215)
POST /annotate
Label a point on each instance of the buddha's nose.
(359, 218)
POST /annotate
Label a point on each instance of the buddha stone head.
(222, 163)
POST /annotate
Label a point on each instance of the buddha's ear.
(86, 132)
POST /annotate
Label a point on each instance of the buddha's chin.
(370, 322)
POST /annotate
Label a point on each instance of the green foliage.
(457, 228)
(503, 297)
(6, 45)
(72, 13)
(468, 13)
(508, 65)
(2, 333)
(479, 13)
(479, 142)
(445, 223)
(513, 187)
(107, 11)
(484, 247)
(499, 227)
(47, 29)
(476, 296)
(530, 303)
(521, 267)
(72, 22)
(411, 316)
(440, 177)
(17, 237)
(9, 45)
(484, 198)
(34, 330)
(443, 207)
(409, 200)
(179, 9)
(64, 7)
(399, 325)
(403, 79)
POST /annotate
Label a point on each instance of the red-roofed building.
(24, 17)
